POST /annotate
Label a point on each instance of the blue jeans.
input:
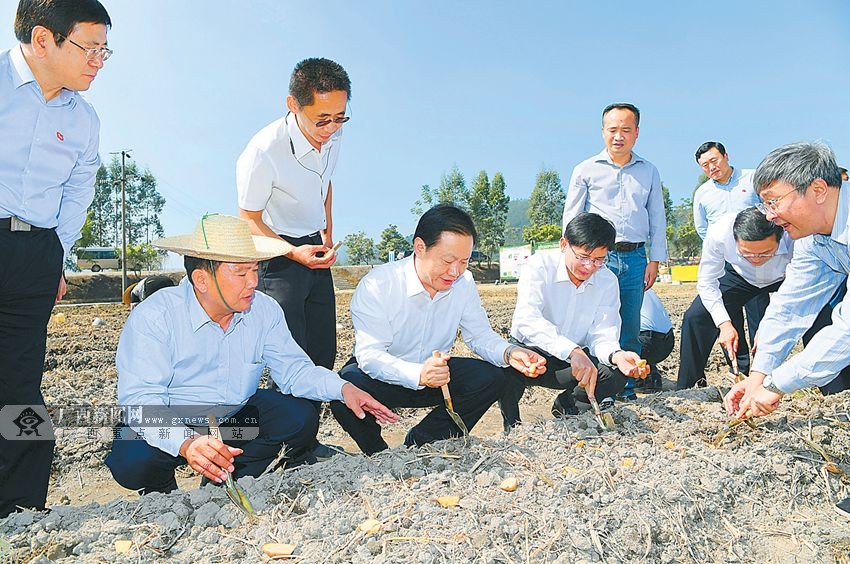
(629, 268)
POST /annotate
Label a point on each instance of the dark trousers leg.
(475, 385)
(307, 299)
(699, 332)
(280, 420)
(655, 346)
(29, 279)
(755, 309)
(824, 318)
(558, 376)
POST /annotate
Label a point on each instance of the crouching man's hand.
(527, 362)
(360, 402)
(209, 456)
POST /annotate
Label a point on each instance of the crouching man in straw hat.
(199, 349)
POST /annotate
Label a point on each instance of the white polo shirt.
(719, 248)
(281, 173)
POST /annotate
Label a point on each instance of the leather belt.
(15, 224)
(626, 247)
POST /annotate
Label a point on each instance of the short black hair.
(444, 217)
(623, 106)
(590, 231)
(709, 145)
(752, 225)
(59, 16)
(317, 75)
(191, 264)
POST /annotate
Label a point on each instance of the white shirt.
(397, 325)
(554, 315)
(713, 200)
(630, 197)
(653, 316)
(280, 173)
(719, 248)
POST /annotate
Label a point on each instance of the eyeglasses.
(770, 206)
(749, 256)
(325, 122)
(587, 261)
(92, 53)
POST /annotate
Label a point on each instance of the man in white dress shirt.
(743, 255)
(568, 310)
(625, 189)
(406, 315)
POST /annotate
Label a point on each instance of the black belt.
(6, 223)
(626, 247)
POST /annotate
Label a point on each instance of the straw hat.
(224, 238)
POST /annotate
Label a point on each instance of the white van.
(98, 258)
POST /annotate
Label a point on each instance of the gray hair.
(798, 164)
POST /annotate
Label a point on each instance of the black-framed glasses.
(770, 206)
(587, 261)
(92, 53)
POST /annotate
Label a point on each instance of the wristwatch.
(768, 385)
(611, 357)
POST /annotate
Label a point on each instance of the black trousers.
(283, 420)
(475, 385)
(824, 318)
(29, 279)
(655, 346)
(755, 309)
(558, 376)
(307, 298)
(699, 332)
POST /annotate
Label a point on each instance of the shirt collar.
(411, 279)
(736, 173)
(23, 75)
(563, 276)
(299, 141)
(605, 157)
(197, 316)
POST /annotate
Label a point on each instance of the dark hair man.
(200, 349)
(744, 255)
(625, 189)
(49, 137)
(406, 316)
(568, 310)
(284, 189)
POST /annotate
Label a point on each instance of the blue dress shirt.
(820, 264)
(712, 200)
(49, 158)
(171, 353)
(630, 197)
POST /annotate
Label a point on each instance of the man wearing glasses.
(625, 189)
(802, 192)
(568, 310)
(49, 137)
(284, 189)
(744, 255)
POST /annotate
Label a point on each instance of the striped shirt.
(820, 265)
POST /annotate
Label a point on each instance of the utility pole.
(125, 154)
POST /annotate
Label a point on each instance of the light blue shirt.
(819, 266)
(630, 197)
(48, 152)
(653, 316)
(171, 353)
(713, 200)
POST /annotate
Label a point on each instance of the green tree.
(452, 190)
(546, 205)
(360, 248)
(392, 242)
(425, 201)
(542, 233)
(685, 242)
(143, 256)
(487, 204)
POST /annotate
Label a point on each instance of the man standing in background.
(283, 182)
(625, 189)
(49, 137)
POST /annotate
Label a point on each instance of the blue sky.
(499, 86)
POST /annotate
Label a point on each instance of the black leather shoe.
(560, 410)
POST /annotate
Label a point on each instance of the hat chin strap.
(215, 280)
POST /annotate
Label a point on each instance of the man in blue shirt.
(625, 189)
(49, 137)
(201, 348)
(801, 189)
